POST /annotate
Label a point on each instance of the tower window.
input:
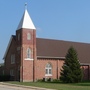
(28, 36)
(28, 53)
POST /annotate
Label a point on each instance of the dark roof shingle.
(58, 48)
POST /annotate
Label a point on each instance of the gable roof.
(12, 37)
(59, 48)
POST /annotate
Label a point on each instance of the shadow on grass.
(83, 83)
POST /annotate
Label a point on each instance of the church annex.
(28, 58)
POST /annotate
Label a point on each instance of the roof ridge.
(63, 40)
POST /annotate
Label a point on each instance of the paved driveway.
(5, 87)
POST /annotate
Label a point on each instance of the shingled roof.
(58, 48)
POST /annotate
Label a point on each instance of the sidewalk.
(23, 86)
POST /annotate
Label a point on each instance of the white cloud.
(39, 29)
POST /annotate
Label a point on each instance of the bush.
(4, 77)
(39, 80)
(56, 80)
(50, 79)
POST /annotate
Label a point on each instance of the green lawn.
(57, 85)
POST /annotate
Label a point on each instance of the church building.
(28, 58)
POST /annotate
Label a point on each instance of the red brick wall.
(60, 64)
(85, 69)
(26, 70)
(40, 68)
(8, 65)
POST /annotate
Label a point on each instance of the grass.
(57, 85)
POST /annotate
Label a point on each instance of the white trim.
(8, 47)
(29, 52)
(28, 36)
(48, 74)
(84, 64)
(29, 59)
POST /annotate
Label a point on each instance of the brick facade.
(29, 70)
(56, 66)
(33, 69)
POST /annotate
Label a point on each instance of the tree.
(71, 71)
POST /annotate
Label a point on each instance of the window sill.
(29, 59)
(13, 63)
(48, 74)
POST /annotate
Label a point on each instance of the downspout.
(33, 57)
(57, 69)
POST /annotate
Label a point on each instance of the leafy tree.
(71, 71)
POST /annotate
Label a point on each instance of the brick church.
(28, 58)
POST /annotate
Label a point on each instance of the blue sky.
(55, 19)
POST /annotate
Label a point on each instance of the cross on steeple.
(25, 5)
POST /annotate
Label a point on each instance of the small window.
(48, 69)
(18, 36)
(12, 58)
(11, 72)
(28, 53)
(28, 36)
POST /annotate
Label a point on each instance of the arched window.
(28, 53)
(28, 36)
(48, 70)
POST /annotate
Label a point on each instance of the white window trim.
(48, 68)
(31, 59)
(48, 74)
(28, 36)
(29, 53)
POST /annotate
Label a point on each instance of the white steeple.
(26, 21)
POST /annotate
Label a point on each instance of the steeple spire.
(26, 21)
